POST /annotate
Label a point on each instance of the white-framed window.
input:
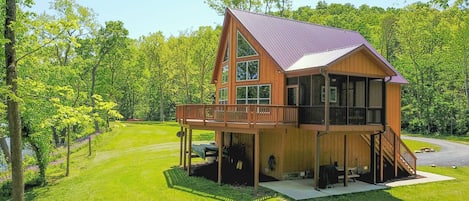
(224, 74)
(332, 94)
(244, 48)
(253, 94)
(223, 96)
(247, 70)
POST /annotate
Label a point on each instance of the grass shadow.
(177, 178)
(381, 195)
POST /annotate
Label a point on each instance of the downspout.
(318, 134)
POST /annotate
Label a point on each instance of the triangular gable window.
(244, 49)
(227, 53)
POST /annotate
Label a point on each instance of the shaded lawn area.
(136, 162)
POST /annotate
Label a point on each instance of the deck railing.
(249, 114)
(404, 152)
(341, 115)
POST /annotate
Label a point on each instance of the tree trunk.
(40, 163)
(55, 136)
(63, 134)
(466, 75)
(5, 149)
(89, 145)
(93, 84)
(14, 123)
(161, 104)
(202, 72)
(67, 171)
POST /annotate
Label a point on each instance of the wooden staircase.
(395, 152)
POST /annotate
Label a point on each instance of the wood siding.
(299, 150)
(393, 107)
(332, 150)
(269, 71)
(272, 144)
(359, 63)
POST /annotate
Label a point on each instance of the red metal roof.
(292, 44)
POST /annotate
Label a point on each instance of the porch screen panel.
(376, 96)
(305, 90)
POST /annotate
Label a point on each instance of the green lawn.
(458, 139)
(417, 145)
(137, 162)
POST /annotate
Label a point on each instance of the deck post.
(345, 161)
(185, 147)
(327, 116)
(316, 163)
(373, 158)
(204, 114)
(256, 160)
(381, 159)
(396, 153)
(180, 146)
(220, 155)
(190, 152)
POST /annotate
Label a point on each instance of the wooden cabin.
(300, 97)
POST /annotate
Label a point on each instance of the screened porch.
(352, 100)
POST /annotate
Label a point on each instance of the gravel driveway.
(451, 153)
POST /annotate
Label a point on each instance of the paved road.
(451, 153)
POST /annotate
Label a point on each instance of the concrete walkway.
(425, 177)
(303, 188)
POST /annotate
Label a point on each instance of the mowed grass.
(417, 145)
(137, 162)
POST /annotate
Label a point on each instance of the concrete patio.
(303, 188)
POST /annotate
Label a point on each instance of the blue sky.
(142, 17)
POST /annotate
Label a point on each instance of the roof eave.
(221, 44)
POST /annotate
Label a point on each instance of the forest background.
(75, 74)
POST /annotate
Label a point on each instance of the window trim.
(226, 56)
(247, 70)
(220, 100)
(223, 76)
(258, 99)
(332, 94)
(238, 33)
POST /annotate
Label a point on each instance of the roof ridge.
(293, 20)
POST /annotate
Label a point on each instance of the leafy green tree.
(70, 118)
(95, 50)
(204, 51)
(153, 47)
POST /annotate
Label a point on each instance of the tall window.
(254, 94)
(247, 70)
(244, 49)
(223, 96)
(224, 74)
(227, 53)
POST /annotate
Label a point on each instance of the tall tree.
(153, 48)
(205, 45)
(112, 36)
(14, 123)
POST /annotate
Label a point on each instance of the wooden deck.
(237, 116)
(216, 117)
